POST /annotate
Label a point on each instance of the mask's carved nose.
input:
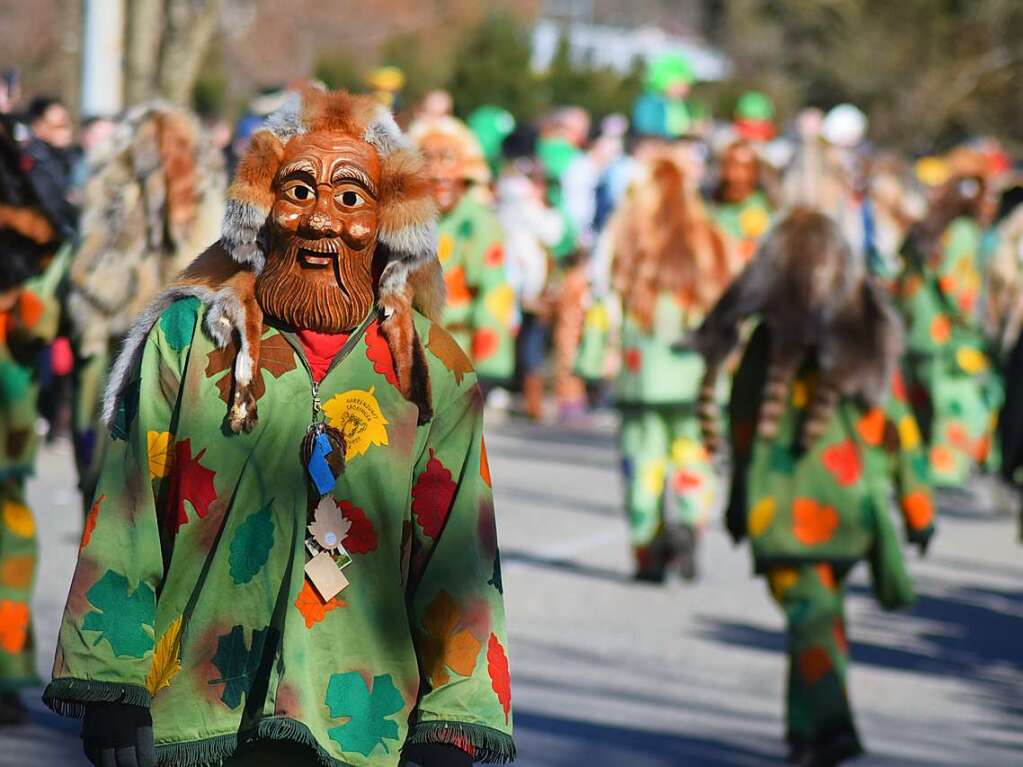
(322, 224)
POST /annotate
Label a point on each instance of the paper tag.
(319, 470)
(325, 576)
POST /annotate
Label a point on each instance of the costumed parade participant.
(663, 109)
(480, 311)
(532, 229)
(740, 204)
(954, 390)
(820, 433)
(153, 199)
(291, 555)
(31, 231)
(670, 264)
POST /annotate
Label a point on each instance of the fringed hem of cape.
(69, 697)
(490, 746)
(213, 751)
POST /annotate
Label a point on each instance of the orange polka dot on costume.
(458, 289)
(13, 626)
(942, 459)
(813, 523)
(941, 329)
(871, 426)
(814, 664)
(918, 509)
(30, 308)
(484, 344)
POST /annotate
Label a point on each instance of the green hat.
(754, 105)
(492, 125)
(555, 155)
(666, 70)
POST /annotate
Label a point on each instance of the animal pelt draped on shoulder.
(153, 200)
(664, 241)
(408, 274)
(28, 238)
(816, 298)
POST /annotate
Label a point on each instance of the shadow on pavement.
(513, 556)
(554, 741)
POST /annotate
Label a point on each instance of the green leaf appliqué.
(250, 547)
(178, 322)
(122, 616)
(347, 695)
(237, 663)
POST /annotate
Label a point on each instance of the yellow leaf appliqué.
(357, 415)
(166, 658)
(160, 453)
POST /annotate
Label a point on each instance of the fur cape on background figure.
(153, 200)
(223, 277)
(815, 297)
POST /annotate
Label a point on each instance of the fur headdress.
(815, 296)
(223, 277)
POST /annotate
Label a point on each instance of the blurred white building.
(618, 47)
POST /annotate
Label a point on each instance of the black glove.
(118, 735)
(434, 755)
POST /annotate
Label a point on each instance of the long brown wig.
(664, 241)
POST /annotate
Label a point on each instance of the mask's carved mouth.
(318, 254)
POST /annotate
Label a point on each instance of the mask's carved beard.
(328, 300)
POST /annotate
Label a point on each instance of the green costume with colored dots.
(812, 515)
(190, 596)
(24, 329)
(955, 392)
(746, 222)
(669, 478)
(480, 311)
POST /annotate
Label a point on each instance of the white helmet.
(844, 126)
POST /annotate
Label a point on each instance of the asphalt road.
(609, 673)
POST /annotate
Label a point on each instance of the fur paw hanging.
(398, 328)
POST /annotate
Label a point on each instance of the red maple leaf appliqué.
(361, 538)
(379, 353)
(500, 680)
(189, 481)
(432, 496)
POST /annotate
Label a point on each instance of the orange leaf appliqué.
(446, 645)
(312, 606)
(90, 522)
(500, 680)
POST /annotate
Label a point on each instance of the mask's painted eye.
(299, 192)
(350, 199)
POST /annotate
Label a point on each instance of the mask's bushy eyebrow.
(296, 167)
(348, 172)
